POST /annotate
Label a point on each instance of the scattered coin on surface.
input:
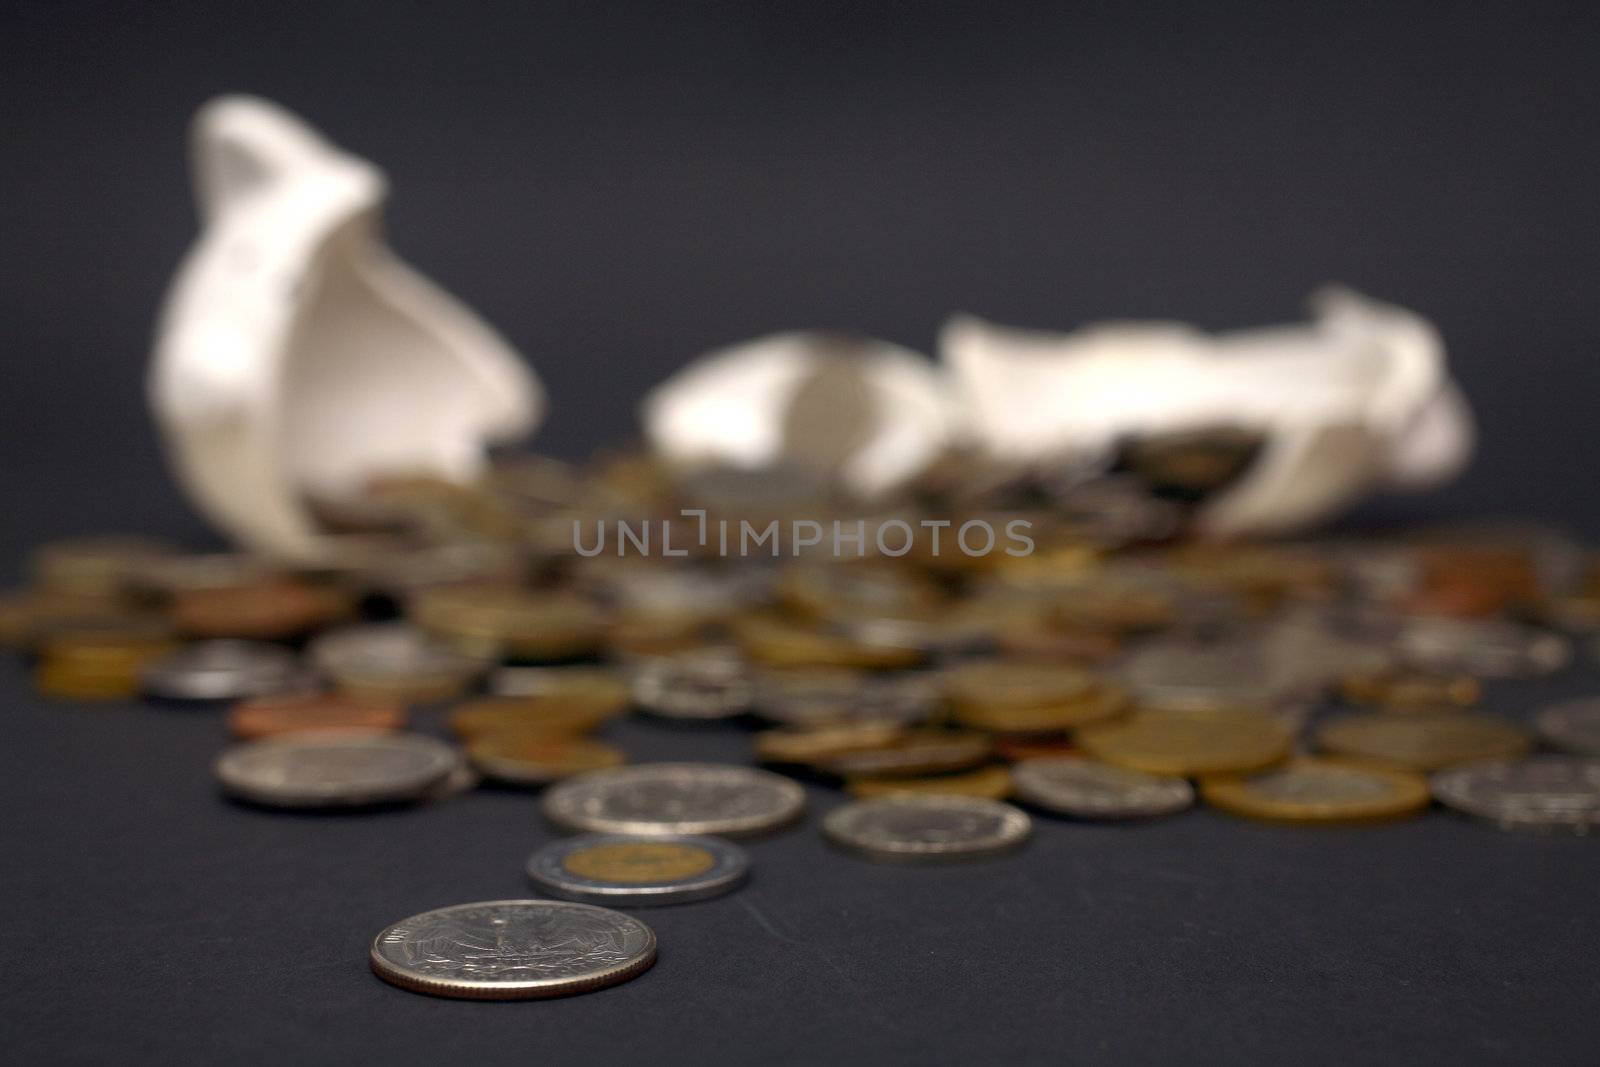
(676, 798)
(1090, 790)
(637, 871)
(926, 828)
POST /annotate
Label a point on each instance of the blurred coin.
(633, 871)
(597, 687)
(1187, 675)
(1545, 793)
(394, 661)
(926, 828)
(991, 782)
(1572, 726)
(522, 623)
(168, 576)
(1090, 790)
(813, 745)
(266, 611)
(535, 759)
(29, 615)
(224, 670)
(781, 643)
(310, 712)
(1485, 648)
(99, 564)
(1319, 791)
(675, 798)
(550, 716)
(914, 752)
(513, 950)
(1032, 746)
(1412, 692)
(1189, 744)
(1424, 742)
(335, 770)
(708, 683)
(818, 697)
(98, 663)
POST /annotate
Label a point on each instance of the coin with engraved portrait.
(1091, 790)
(335, 770)
(675, 798)
(513, 950)
(1548, 794)
(632, 870)
(923, 828)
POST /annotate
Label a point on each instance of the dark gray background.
(620, 187)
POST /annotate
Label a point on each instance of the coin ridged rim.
(1015, 829)
(237, 783)
(730, 866)
(561, 808)
(1235, 794)
(1029, 786)
(537, 989)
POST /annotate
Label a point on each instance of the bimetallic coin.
(1319, 791)
(1188, 744)
(224, 670)
(1543, 794)
(926, 828)
(394, 661)
(637, 871)
(335, 770)
(513, 950)
(1090, 790)
(677, 799)
(532, 759)
(310, 713)
(1573, 726)
(994, 783)
(1423, 742)
(709, 683)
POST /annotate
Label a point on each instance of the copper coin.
(271, 716)
(264, 611)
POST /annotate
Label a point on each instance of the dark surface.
(620, 190)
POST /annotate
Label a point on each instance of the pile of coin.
(1115, 671)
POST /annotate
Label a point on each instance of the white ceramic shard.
(1357, 398)
(296, 356)
(869, 413)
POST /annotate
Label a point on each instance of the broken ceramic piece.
(1358, 398)
(297, 357)
(866, 414)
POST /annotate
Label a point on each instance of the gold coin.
(105, 666)
(1319, 791)
(1026, 685)
(915, 752)
(534, 758)
(1425, 742)
(816, 744)
(639, 862)
(529, 715)
(606, 692)
(27, 616)
(1413, 692)
(993, 783)
(94, 565)
(776, 642)
(1188, 744)
(522, 623)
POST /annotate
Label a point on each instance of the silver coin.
(926, 828)
(336, 770)
(1090, 790)
(390, 650)
(1572, 726)
(825, 697)
(675, 798)
(630, 870)
(1485, 648)
(704, 684)
(546, 681)
(224, 670)
(1545, 793)
(513, 950)
(1179, 674)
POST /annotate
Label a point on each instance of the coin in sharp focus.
(676, 798)
(926, 828)
(535, 759)
(1543, 794)
(394, 661)
(1572, 726)
(1189, 743)
(224, 669)
(309, 713)
(1423, 742)
(993, 783)
(637, 871)
(1312, 790)
(708, 683)
(1090, 790)
(914, 752)
(513, 950)
(335, 770)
